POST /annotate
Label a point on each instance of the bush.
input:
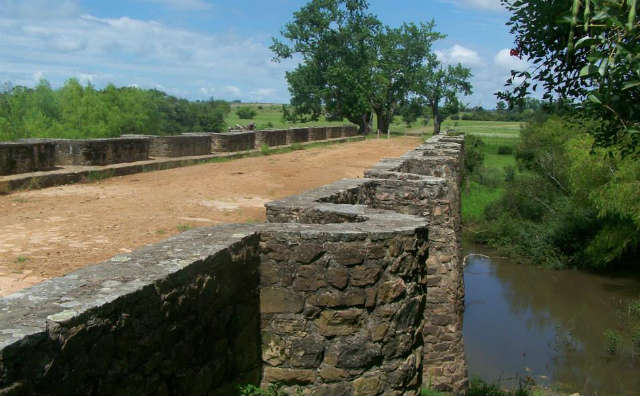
(509, 173)
(505, 150)
(455, 117)
(473, 155)
(490, 177)
(265, 149)
(246, 113)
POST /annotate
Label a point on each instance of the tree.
(401, 52)
(335, 39)
(440, 87)
(581, 49)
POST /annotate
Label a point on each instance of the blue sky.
(215, 48)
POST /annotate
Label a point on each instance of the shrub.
(509, 173)
(490, 177)
(505, 150)
(473, 155)
(265, 149)
(612, 340)
(246, 112)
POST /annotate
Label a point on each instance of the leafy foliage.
(76, 111)
(335, 39)
(571, 204)
(246, 112)
(437, 83)
(353, 65)
(473, 155)
(582, 50)
(610, 38)
(398, 68)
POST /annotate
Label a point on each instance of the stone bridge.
(355, 288)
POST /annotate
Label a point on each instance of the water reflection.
(522, 320)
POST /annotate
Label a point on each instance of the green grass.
(93, 176)
(487, 184)
(475, 198)
(269, 115)
(485, 129)
(184, 227)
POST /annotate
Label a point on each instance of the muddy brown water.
(521, 320)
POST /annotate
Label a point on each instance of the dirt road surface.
(51, 232)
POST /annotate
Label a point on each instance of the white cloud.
(37, 76)
(491, 5)
(233, 90)
(39, 9)
(197, 5)
(459, 54)
(263, 92)
(123, 50)
(504, 60)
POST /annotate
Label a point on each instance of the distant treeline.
(76, 111)
(528, 110)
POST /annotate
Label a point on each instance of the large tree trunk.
(383, 121)
(436, 119)
(365, 124)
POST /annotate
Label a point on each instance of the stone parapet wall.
(441, 157)
(353, 288)
(179, 317)
(30, 155)
(297, 135)
(233, 141)
(23, 157)
(334, 132)
(88, 152)
(179, 146)
(271, 137)
(318, 133)
(349, 131)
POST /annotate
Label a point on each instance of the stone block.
(272, 375)
(309, 278)
(364, 275)
(278, 300)
(339, 323)
(366, 386)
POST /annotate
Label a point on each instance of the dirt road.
(50, 232)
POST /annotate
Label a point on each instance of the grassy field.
(270, 116)
(488, 183)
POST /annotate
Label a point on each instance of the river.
(567, 329)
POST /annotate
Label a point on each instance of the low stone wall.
(179, 317)
(271, 137)
(349, 131)
(179, 146)
(350, 289)
(318, 133)
(233, 141)
(86, 152)
(440, 160)
(334, 132)
(346, 317)
(297, 135)
(23, 157)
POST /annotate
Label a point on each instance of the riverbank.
(526, 323)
